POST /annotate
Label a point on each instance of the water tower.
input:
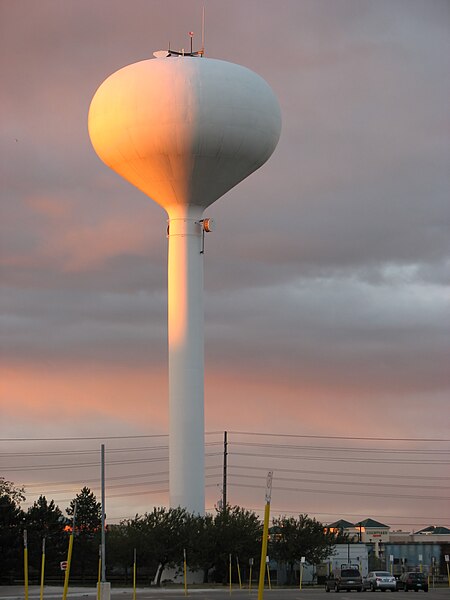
(185, 129)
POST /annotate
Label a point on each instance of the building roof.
(370, 523)
(432, 529)
(341, 524)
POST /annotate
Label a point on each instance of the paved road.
(77, 593)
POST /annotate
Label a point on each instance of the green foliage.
(161, 536)
(202, 545)
(120, 548)
(11, 530)
(237, 531)
(45, 520)
(14, 492)
(343, 537)
(89, 513)
(87, 532)
(292, 538)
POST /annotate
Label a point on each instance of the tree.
(14, 492)
(87, 531)
(234, 530)
(202, 545)
(160, 537)
(89, 512)
(11, 530)
(140, 538)
(45, 520)
(168, 529)
(121, 548)
(293, 538)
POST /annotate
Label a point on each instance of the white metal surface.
(186, 405)
(185, 130)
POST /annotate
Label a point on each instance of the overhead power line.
(114, 487)
(409, 520)
(96, 464)
(344, 473)
(339, 437)
(81, 452)
(344, 493)
(104, 437)
(340, 482)
(251, 433)
(346, 459)
(95, 451)
(97, 479)
(76, 438)
(340, 514)
(341, 449)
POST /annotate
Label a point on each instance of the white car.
(379, 580)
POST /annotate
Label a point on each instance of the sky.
(327, 305)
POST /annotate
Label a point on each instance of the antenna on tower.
(169, 52)
(202, 51)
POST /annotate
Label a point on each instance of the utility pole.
(225, 458)
(105, 588)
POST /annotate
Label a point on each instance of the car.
(413, 581)
(347, 578)
(380, 580)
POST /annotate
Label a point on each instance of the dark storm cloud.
(81, 325)
(338, 330)
(329, 266)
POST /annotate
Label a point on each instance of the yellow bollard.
(41, 596)
(262, 567)
(185, 572)
(69, 554)
(239, 572)
(25, 563)
(67, 573)
(268, 575)
(134, 575)
(301, 574)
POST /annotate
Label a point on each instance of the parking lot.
(223, 593)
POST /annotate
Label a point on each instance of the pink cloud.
(51, 207)
(82, 392)
(89, 247)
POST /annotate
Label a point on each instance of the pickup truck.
(348, 578)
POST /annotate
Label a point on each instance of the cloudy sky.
(327, 306)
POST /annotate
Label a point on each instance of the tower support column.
(186, 359)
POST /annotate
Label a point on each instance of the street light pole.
(224, 483)
(103, 561)
(104, 591)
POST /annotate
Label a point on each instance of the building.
(423, 550)
(373, 532)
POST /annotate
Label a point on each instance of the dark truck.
(346, 578)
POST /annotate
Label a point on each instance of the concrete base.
(105, 590)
